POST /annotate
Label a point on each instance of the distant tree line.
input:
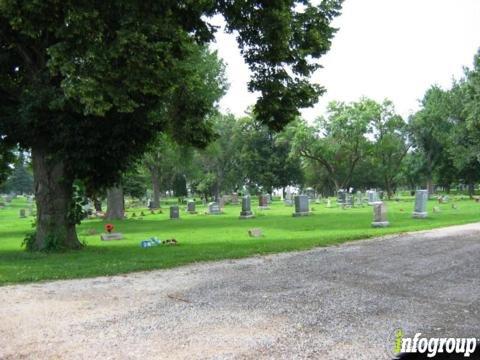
(360, 145)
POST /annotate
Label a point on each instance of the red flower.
(109, 227)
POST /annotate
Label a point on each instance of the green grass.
(203, 237)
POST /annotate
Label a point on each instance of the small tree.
(265, 159)
(21, 180)
(391, 145)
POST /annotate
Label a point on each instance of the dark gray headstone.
(174, 212)
(191, 207)
(341, 197)
(421, 198)
(246, 212)
(22, 214)
(301, 205)
(380, 215)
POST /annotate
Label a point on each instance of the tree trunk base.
(115, 204)
(55, 229)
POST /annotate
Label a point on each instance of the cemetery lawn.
(205, 237)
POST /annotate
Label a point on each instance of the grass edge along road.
(206, 237)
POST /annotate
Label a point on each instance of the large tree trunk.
(337, 185)
(430, 187)
(115, 204)
(388, 187)
(156, 189)
(53, 195)
(217, 192)
(471, 190)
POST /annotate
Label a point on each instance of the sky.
(393, 49)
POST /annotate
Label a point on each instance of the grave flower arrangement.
(109, 228)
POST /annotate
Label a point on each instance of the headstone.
(22, 214)
(214, 208)
(301, 206)
(174, 212)
(349, 201)
(288, 194)
(246, 212)
(359, 198)
(269, 199)
(288, 202)
(263, 202)
(234, 199)
(341, 197)
(111, 236)
(225, 199)
(421, 198)
(310, 192)
(443, 199)
(329, 203)
(92, 231)
(255, 232)
(380, 215)
(372, 197)
(191, 207)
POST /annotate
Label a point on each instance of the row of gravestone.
(301, 207)
(419, 212)
(345, 198)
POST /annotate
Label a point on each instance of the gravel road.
(340, 302)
